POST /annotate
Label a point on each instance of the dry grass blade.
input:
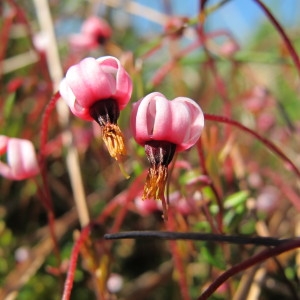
(56, 74)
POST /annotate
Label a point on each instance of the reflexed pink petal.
(179, 121)
(123, 88)
(67, 93)
(194, 122)
(89, 83)
(68, 96)
(94, 80)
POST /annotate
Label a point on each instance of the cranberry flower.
(21, 158)
(94, 32)
(164, 127)
(97, 89)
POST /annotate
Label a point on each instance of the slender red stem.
(43, 141)
(260, 257)
(282, 33)
(287, 190)
(265, 141)
(73, 262)
(45, 195)
(135, 186)
(182, 276)
(45, 123)
(214, 190)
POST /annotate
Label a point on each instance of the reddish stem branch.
(287, 190)
(43, 141)
(178, 260)
(258, 258)
(73, 262)
(214, 190)
(45, 191)
(282, 33)
(45, 123)
(266, 142)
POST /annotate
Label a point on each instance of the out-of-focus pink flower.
(115, 283)
(163, 127)
(175, 26)
(97, 89)
(94, 32)
(229, 48)
(41, 41)
(268, 199)
(154, 118)
(146, 207)
(265, 121)
(21, 158)
(257, 99)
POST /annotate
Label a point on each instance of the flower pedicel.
(97, 89)
(164, 127)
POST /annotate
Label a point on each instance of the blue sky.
(239, 16)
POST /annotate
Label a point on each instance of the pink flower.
(154, 118)
(94, 32)
(175, 26)
(93, 80)
(229, 48)
(146, 207)
(163, 127)
(21, 158)
(97, 89)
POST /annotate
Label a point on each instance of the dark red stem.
(44, 191)
(73, 262)
(282, 33)
(43, 141)
(258, 258)
(214, 190)
(266, 142)
(178, 261)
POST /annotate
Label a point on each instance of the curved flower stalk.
(97, 89)
(164, 127)
(94, 32)
(21, 158)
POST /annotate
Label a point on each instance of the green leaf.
(8, 105)
(236, 199)
(213, 255)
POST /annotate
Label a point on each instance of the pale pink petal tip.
(21, 160)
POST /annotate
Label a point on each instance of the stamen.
(159, 154)
(106, 113)
(114, 140)
(155, 186)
